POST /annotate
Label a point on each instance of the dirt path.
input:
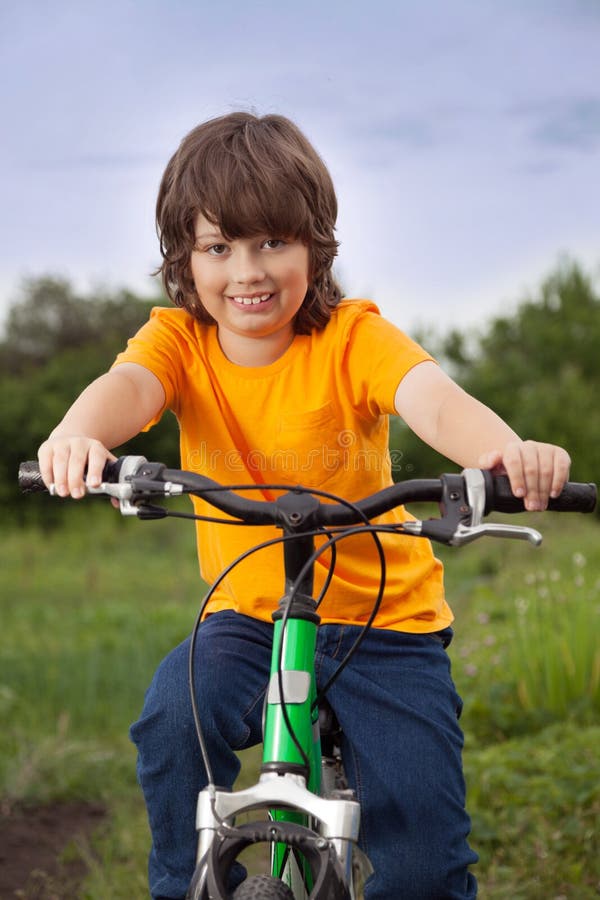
(32, 842)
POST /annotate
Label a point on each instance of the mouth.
(251, 300)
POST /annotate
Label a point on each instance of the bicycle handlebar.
(464, 499)
(30, 477)
(574, 497)
(149, 477)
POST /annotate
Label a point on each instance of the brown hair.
(249, 176)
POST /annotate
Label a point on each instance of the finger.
(97, 457)
(60, 466)
(490, 460)
(45, 464)
(546, 463)
(513, 462)
(77, 463)
(531, 471)
(562, 467)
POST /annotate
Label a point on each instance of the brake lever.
(464, 534)
(459, 509)
(121, 492)
(131, 490)
(132, 496)
(475, 485)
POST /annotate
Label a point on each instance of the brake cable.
(150, 512)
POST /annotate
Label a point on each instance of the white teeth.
(251, 301)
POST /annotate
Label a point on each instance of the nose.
(247, 267)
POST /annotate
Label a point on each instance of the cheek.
(203, 276)
(298, 275)
(297, 285)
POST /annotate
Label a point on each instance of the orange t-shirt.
(317, 416)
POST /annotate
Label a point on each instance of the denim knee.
(167, 709)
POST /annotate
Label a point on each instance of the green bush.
(535, 806)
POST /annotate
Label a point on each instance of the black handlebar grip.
(574, 497)
(30, 478)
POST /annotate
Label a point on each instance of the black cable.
(345, 532)
(378, 600)
(329, 544)
(384, 529)
(348, 532)
(148, 512)
(330, 571)
(223, 574)
(191, 667)
(295, 588)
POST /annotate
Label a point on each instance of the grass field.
(88, 610)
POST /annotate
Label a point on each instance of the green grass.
(89, 610)
(535, 807)
(87, 614)
(526, 651)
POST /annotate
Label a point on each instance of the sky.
(463, 136)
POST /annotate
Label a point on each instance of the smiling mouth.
(251, 301)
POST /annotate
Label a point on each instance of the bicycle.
(313, 817)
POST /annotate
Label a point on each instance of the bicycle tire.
(262, 887)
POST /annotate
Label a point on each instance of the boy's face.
(253, 287)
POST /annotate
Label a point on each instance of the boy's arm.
(111, 410)
(466, 431)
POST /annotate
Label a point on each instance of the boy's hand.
(536, 471)
(64, 459)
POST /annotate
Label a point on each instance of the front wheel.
(262, 887)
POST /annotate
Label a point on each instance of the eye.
(273, 243)
(217, 249)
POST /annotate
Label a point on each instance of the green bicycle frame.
(291, 739)
(280, 751)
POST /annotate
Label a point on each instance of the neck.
(254, 351)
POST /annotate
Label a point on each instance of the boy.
(274, 378)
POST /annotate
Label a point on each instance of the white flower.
(522, 604)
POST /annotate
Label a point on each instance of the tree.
(539, 369)
(55, 343)
(50, 318)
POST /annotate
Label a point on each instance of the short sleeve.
(378, 356)
(158, 347)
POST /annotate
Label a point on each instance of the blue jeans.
(398, 709)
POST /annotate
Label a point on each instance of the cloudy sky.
(463, 135)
